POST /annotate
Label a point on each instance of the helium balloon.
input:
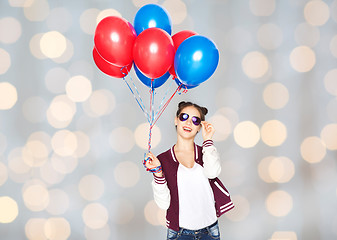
(178, 38)
(147, 81)
(153, 52)
(108, 68)
(196, 60)
(152, 15)
(114, 39)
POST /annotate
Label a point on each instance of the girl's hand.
(207, 130)
(153, 162)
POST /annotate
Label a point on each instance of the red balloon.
(108, 68)
(153, 52)
(178, 38)
(114, 39)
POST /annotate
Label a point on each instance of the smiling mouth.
(187, 129)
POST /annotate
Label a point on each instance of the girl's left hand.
(207, 130)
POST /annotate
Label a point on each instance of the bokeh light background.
(72, 139)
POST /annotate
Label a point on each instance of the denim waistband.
(202, 230)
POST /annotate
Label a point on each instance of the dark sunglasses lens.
(196, 121)
(183, 117)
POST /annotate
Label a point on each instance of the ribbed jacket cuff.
(207, 143)
(159, 180)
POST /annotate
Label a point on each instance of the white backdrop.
(72, 138)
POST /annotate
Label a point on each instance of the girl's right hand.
(153, 162)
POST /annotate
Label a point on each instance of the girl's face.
(189, 127)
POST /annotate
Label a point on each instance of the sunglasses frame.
(195, 120)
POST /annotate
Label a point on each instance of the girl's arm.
(161, 193)
(211, 159)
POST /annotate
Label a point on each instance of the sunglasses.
(195, 120)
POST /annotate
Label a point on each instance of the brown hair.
(202, 110)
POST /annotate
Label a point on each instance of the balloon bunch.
(148, 46)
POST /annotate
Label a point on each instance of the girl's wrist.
(208, 139)
(159, 174)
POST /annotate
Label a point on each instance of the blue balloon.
(195, 60)
(147, 81)
(183, 86)
(152, 15)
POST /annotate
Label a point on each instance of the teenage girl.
(185, 183)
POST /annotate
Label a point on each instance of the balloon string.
(152, 93)
(153, 122)
(146, 114)
(166, 104)
(164, 98)
(150, 136)
(159, 168)
(152, 114)
(139, 101)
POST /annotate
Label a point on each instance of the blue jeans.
(208, 233)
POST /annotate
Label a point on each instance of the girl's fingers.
(152, 161)
(150, 155)
(207, 126)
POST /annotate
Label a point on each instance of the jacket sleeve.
(161, 192)
(211, 159)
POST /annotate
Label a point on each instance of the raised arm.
(211, 158)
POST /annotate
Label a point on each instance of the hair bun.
(181, 104)
(204, 110)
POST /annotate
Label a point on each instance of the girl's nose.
(189, 121)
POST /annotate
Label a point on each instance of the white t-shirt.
(196, 199)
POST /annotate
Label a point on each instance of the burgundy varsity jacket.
(170, 165)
